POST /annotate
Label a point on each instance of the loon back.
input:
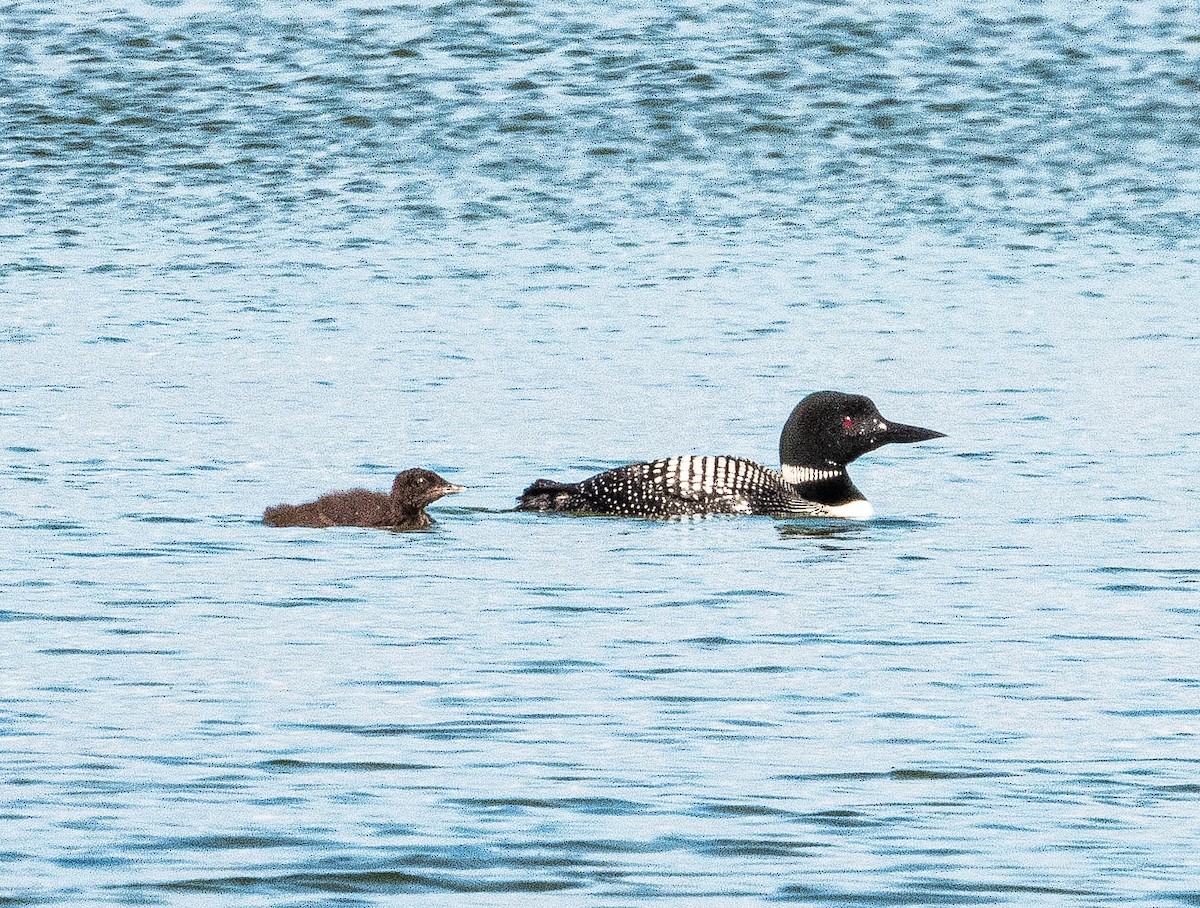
(675, 487)
(356, 507)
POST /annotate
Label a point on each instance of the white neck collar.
(798, 475)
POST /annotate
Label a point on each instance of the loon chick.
(404, 509)
(826, 431)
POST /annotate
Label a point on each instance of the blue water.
(251, 253)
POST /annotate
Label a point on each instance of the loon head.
(829, 429)
(413, 489)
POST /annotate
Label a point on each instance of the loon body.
(403, 509)
(825, 432)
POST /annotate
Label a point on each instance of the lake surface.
(252, 254)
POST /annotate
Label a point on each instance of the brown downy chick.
(403, 509)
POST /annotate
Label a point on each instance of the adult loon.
(825, 431)
(404, 509)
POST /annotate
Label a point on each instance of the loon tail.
(547, 495)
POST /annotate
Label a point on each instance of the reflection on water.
(847, 529)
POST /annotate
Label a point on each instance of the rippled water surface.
(255, 252)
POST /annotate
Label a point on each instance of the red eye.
(847, 422)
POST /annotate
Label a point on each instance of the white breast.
(851, 510)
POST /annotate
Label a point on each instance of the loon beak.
(450, 488)
(898, 433)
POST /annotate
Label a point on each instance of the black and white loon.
(826, 431)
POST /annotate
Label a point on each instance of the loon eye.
(847, 422)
